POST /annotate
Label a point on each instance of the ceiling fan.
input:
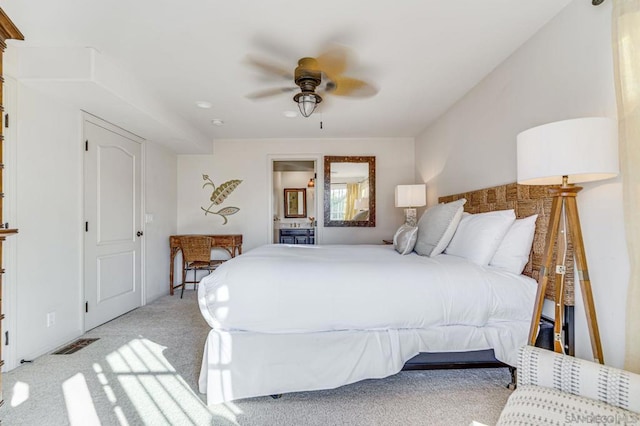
(313, 76)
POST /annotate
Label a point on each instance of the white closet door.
(113, 230)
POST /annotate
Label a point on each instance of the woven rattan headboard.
(525, 200)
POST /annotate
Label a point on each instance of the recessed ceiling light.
(217, 122)
(290, 114)
(204, 104)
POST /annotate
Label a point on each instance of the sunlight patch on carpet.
(20, 393)
(152, 385)
(80, 407)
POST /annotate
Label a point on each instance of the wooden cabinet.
(7, 31)
(298, 236)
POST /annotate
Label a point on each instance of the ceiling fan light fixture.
(309, 75)
(307, 102)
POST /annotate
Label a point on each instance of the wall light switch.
(148, 218)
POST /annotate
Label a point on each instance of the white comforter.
(299, 289)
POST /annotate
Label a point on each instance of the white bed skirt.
(242, 364)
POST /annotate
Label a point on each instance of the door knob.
(139, 233)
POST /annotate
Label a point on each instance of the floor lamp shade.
(583, 149)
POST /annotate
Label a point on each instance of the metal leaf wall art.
(218, 195)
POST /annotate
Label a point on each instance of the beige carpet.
(144, 371)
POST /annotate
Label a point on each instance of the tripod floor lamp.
(564, 153)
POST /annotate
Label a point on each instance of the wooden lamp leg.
(561, 253)
(583, 275)
(543, 279)
(565, 198)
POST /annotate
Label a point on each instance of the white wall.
(161, 202)
(49, 214)
(49, 217)
(565, 71)
(250, 160)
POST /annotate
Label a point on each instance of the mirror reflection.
(295, 202)
(349, 191)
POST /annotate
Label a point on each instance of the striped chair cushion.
(537, 405)
(610, 385)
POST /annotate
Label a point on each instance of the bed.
(300, 318)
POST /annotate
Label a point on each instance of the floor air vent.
(75, 346)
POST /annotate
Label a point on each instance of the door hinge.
(86, 227)
(86, 306)
(6, 338)
(86, 145)
(6, 120)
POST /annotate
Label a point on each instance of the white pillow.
(436, 227)
(405, 239)
(479, 235)
(513, 251)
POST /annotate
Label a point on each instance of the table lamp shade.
(361, 204)
(584, 149)
(411, 195)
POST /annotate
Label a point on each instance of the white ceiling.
(423, 55)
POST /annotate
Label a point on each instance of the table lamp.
(361, 204)
(410, 197)
(564, 153)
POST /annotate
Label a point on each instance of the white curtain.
(626, 51)
(352, 196)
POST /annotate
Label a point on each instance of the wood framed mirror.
(349, 191)
(295, 202)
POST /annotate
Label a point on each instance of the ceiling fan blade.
(271, 67)
(347, 86)
(334, 61)
(270, 92)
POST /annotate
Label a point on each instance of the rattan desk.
(231, 243)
